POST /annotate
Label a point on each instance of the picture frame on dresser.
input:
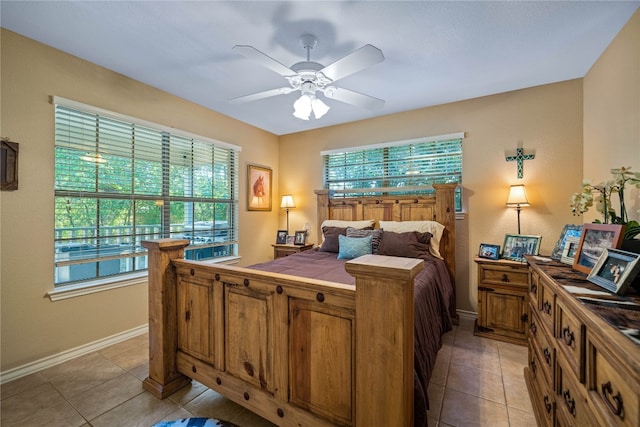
(489, 251)
(281, 237)
(615, 270)
(300, 238)
(594, 239)
(516, 246)
(569, 230)
(570, 248)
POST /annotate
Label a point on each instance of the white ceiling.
(435, 51)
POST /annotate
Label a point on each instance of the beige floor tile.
(141, 372)
(188, 393)
(476, 382)
(466, 339)
(476, 358)
(249, 419)
(467, 323)
(512, 368)
(211, 404)
(131, 358)
(179, 414)
(440, 369)
(517, 394)
(144, 410)
(86, 377)
(436, 395)
(462, 409)
(106, 396)
(518, 418)
(39, 404)
(141, 341)
(21, 385)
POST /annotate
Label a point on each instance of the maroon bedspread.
(433, 294)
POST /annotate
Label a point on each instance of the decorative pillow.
(435, 228)
(330, 242)
(411, 244)
(353, 247)
(376, 236)
(367, 223)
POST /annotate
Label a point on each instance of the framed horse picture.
(258, 188)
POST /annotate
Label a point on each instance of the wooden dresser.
(583, 370)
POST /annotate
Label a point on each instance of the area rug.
(195, 422)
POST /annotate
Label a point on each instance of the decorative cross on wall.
(520, 157)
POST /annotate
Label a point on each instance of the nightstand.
(503, 287)
(280, 251)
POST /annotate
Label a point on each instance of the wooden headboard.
(438, 207)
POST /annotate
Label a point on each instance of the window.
(120, 180)
(402, 167)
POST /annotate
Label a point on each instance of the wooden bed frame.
(296, 351)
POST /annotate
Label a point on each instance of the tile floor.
(476, 381)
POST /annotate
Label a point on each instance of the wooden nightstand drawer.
(504, 275)
(280, 251)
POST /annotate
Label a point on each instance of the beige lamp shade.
(517, 197)
(287, 202)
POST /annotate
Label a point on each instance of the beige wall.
(546, 120)
(612, 113)
(33, 327)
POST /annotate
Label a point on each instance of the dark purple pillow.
(331, 243)
(412, 244)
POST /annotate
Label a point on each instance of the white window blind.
(402, 167)
(119, 181)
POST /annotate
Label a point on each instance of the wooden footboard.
(298, 352)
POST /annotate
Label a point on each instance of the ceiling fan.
(311, 77)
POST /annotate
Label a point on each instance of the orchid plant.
(583, 200)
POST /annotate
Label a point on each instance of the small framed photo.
(281, 237)
(516, 246)
(489, 251)
(569, 230)
(291, 240)
(615, 270)
(300, 238)
(570, 248)
(594, 239)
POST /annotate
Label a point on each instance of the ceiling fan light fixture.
(308, 103)
(302, 107)
(319, 107)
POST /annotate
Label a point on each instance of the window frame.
(386, 165)
(229, 203)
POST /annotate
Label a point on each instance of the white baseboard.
(471, 315)
(56, 359)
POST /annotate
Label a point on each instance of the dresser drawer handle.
(547, 356)
(534, 367)
(547, 404)
(546, 307)
(534, 288)
(505, 278)
(568, 336)
(571, 403)
(533, 328)
(606, 391)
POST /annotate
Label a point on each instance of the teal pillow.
(353, 247)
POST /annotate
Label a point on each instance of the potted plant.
(600, 195)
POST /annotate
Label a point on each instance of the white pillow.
(435, 228)
(344, 224)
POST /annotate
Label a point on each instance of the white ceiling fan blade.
(362, 58)
(354, 98)
(265, 60)
(261, 95)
